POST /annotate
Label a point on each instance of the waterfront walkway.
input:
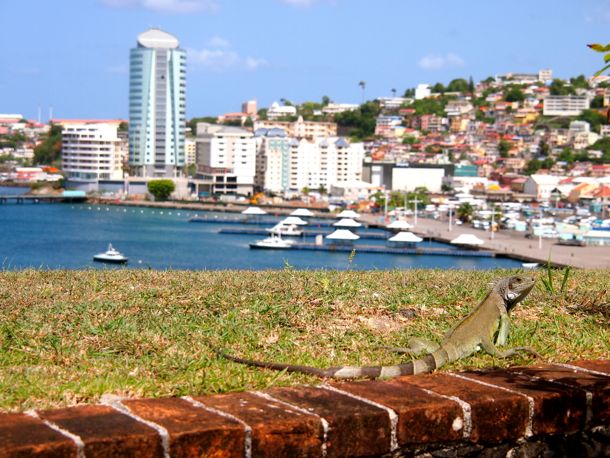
(514, 244)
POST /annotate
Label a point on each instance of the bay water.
(66, 236)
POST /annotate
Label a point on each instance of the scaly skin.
(487, 325)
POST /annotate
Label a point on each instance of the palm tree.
(465, 211)
(393, 92)
(362, 85)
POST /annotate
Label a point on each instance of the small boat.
(287, 230)
(529, 265)
(111, 255)
(274, 241)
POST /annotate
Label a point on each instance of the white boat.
(287, 230)
(274, 241)
(529, 265)
(111, 255)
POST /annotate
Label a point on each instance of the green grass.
(67, 337)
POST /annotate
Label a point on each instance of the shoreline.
(504, 244)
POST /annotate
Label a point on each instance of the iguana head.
(514, 289)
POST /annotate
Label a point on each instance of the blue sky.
(72, 55)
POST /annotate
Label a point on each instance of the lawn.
(67, 337)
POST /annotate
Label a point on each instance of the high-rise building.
(157, 104)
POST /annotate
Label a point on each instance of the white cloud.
(219, 57)
(437, 62)
(167, 6)
(218, 42)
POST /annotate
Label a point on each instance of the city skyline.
(73, 57)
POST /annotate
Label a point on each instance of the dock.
(306, 232)
(45, 198)
(250, 221)
(392, 250)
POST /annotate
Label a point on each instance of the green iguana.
(487, 325)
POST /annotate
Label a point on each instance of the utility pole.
(450, 212)
(415, 201)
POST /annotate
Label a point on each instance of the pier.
(306, 232)
(44, 198)
(251, 221)
(388, 250)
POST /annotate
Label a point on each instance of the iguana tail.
(423, 365)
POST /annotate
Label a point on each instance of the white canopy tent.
(467, 239)
(301, 212)
(254, 211)
(347, 222)
(348, 214)
(405, 237)
(399, 224)
(342, 234)
(293, 220)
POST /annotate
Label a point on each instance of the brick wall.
(523, 411)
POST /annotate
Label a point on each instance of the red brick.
(594, 365)
(193, 431)
(422, 417)
(557, 408)
(597, 385)
(22, 436)
(277, 431)
(496, 415)
(355, 427)
(107, 432)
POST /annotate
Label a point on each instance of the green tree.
(470, 85)
(161, 189)
(305, 191)
(322, 190)
(438, 88)
(362, 85)
(409, 93)
(465, 211)
(566, 155)
(248, 122)
(262, 114)
(123, 127)
(514, 94)
(597, 102)
(325, 100)
(49, 150)
(532, 166)
(603, 145)
(458, 85)
(503, 148)
(594, 118)
(558, 87)
(580, 82)
(359, 123)
(430, 106)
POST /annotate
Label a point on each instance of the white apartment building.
(565, 105)
(92, 151)
(279, 111)
(273, 160)
(300, 128)
(334, 108)
(226, 160)
(324, 161)
(422, 91)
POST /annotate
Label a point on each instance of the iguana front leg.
(490, 348)
(503, 329)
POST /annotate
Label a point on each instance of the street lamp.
(450, 213)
